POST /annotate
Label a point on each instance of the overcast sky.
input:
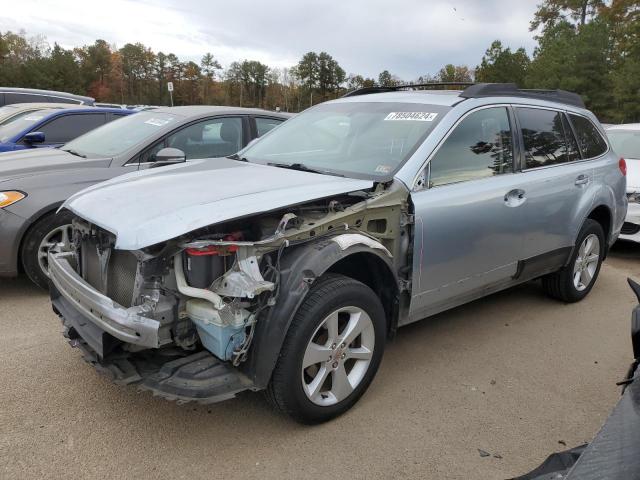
(409, 38)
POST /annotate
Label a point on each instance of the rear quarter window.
(589, 139)
(264, 125)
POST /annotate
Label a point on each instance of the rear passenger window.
(480, 146)
(66, 128)
(591, 142)
(544, 139)
(263, 125)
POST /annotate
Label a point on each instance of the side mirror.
(34, 137)
(169, 156)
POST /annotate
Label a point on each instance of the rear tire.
(574, 282)
(47, 231)
(331, 352)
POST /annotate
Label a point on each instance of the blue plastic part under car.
(218, 339)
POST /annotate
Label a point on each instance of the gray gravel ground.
(514, 374)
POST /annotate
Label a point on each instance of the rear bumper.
(631, 227)
(92, 313)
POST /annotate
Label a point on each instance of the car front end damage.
(202, 316)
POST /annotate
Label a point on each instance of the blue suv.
(53, 127)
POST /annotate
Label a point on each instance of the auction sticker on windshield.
(414, 116)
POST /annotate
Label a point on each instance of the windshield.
(19, 123)
(6, 112)
(14, 114)
(356, 139)
(625, 143)
(120, 135)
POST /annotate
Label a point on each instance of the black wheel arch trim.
(607, 234)
(300, 267)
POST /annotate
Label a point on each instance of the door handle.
(515, 197)
(582, 180)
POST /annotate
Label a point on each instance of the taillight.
(623, 167)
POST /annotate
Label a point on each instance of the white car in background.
(625, 141)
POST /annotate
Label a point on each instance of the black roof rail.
(481, 90)
(416, 86)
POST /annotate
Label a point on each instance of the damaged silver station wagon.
(287, 266)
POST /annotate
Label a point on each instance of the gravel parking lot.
(516, 375)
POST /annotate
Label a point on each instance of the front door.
(468, 219)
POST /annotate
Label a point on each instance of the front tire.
(574, 282)
(45, 233)
(331, 352)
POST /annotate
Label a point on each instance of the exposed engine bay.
(209, 289)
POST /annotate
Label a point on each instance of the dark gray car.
(33, 184)
(11, 95)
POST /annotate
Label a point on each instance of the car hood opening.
(146, 208)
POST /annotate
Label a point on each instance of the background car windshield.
(7, 112)
(20, 123)
(120, 135)
(359, 139)
(625, 143)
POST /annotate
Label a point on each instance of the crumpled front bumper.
(94, 323)
(91, 313)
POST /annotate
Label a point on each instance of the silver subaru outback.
(287, 267)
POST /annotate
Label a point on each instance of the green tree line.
(587, 46)
(590, 47)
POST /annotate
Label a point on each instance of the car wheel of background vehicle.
(45, 233)
(575, 281)
(331, 352)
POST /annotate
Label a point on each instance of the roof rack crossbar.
(394, 88)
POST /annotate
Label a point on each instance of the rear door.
(555, 182)
(469, 218)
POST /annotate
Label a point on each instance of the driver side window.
(480, 147)
(215, 137)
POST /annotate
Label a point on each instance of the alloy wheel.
(58, 236)
(586, 262)
(338, 356)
